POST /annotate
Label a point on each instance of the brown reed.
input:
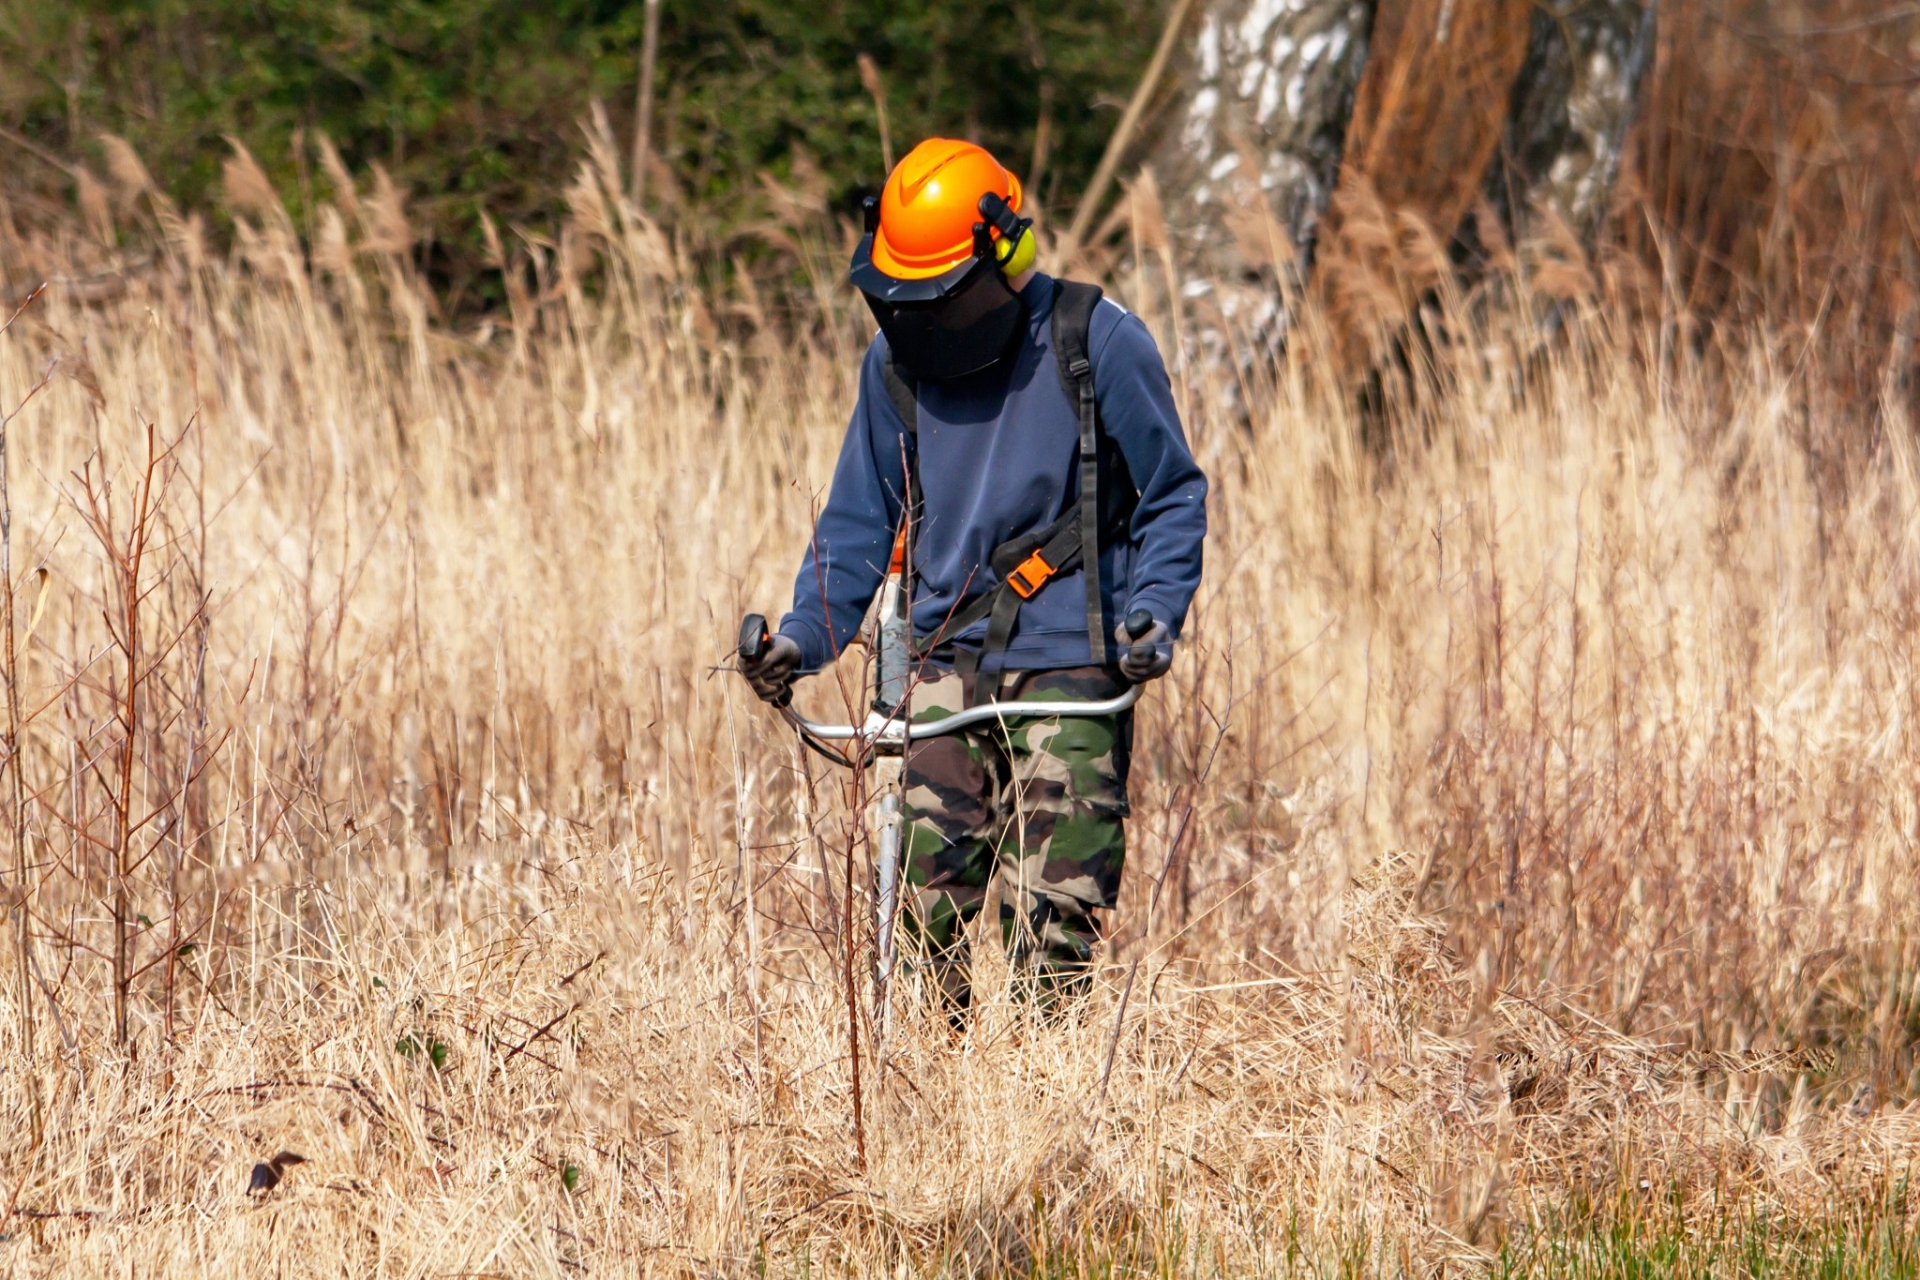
(1555, 858)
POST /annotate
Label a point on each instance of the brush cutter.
(887, 732)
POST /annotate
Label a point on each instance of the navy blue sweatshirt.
(999, 458)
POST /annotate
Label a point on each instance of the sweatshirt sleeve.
(853, 537)
(1170, 524)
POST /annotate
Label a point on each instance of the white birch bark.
(1267, 90)
(1572, 105)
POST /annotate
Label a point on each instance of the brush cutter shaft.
(886, 898)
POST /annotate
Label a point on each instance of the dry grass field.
(1522, 882)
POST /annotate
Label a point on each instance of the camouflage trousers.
(1029, 810)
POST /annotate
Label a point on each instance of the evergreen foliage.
(477, 103)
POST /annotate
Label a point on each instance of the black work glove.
(772, 676)
(1155, 664)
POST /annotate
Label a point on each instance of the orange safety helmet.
(930, 205)
(946, 227)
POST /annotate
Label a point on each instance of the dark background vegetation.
(1763, 179)
(474, 104)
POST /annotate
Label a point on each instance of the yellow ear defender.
(1016, 253)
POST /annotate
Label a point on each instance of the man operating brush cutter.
(1016, 435)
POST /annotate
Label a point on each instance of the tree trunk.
(1429, 113)
(1431, 102)
(1572, 105)
(1266, 93)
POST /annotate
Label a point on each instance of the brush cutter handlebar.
(887, 735)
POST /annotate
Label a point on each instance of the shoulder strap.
(906, 403)
(1073, 307)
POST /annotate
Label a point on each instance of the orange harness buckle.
(1030, 575)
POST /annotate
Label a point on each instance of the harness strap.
(906, 403)
(1073, 309)
(1024, 566)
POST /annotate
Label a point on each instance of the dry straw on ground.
(1533, 802)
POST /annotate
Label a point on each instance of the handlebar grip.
(1139, 622)
(755, 638)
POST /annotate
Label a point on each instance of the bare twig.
(1096, 191)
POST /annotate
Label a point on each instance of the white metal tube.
(892, 731)
(887, 906)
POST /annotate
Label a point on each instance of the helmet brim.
(867, 276)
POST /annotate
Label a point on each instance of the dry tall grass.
(1534, 801)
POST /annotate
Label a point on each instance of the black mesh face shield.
(954, 335)
(949, 325)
